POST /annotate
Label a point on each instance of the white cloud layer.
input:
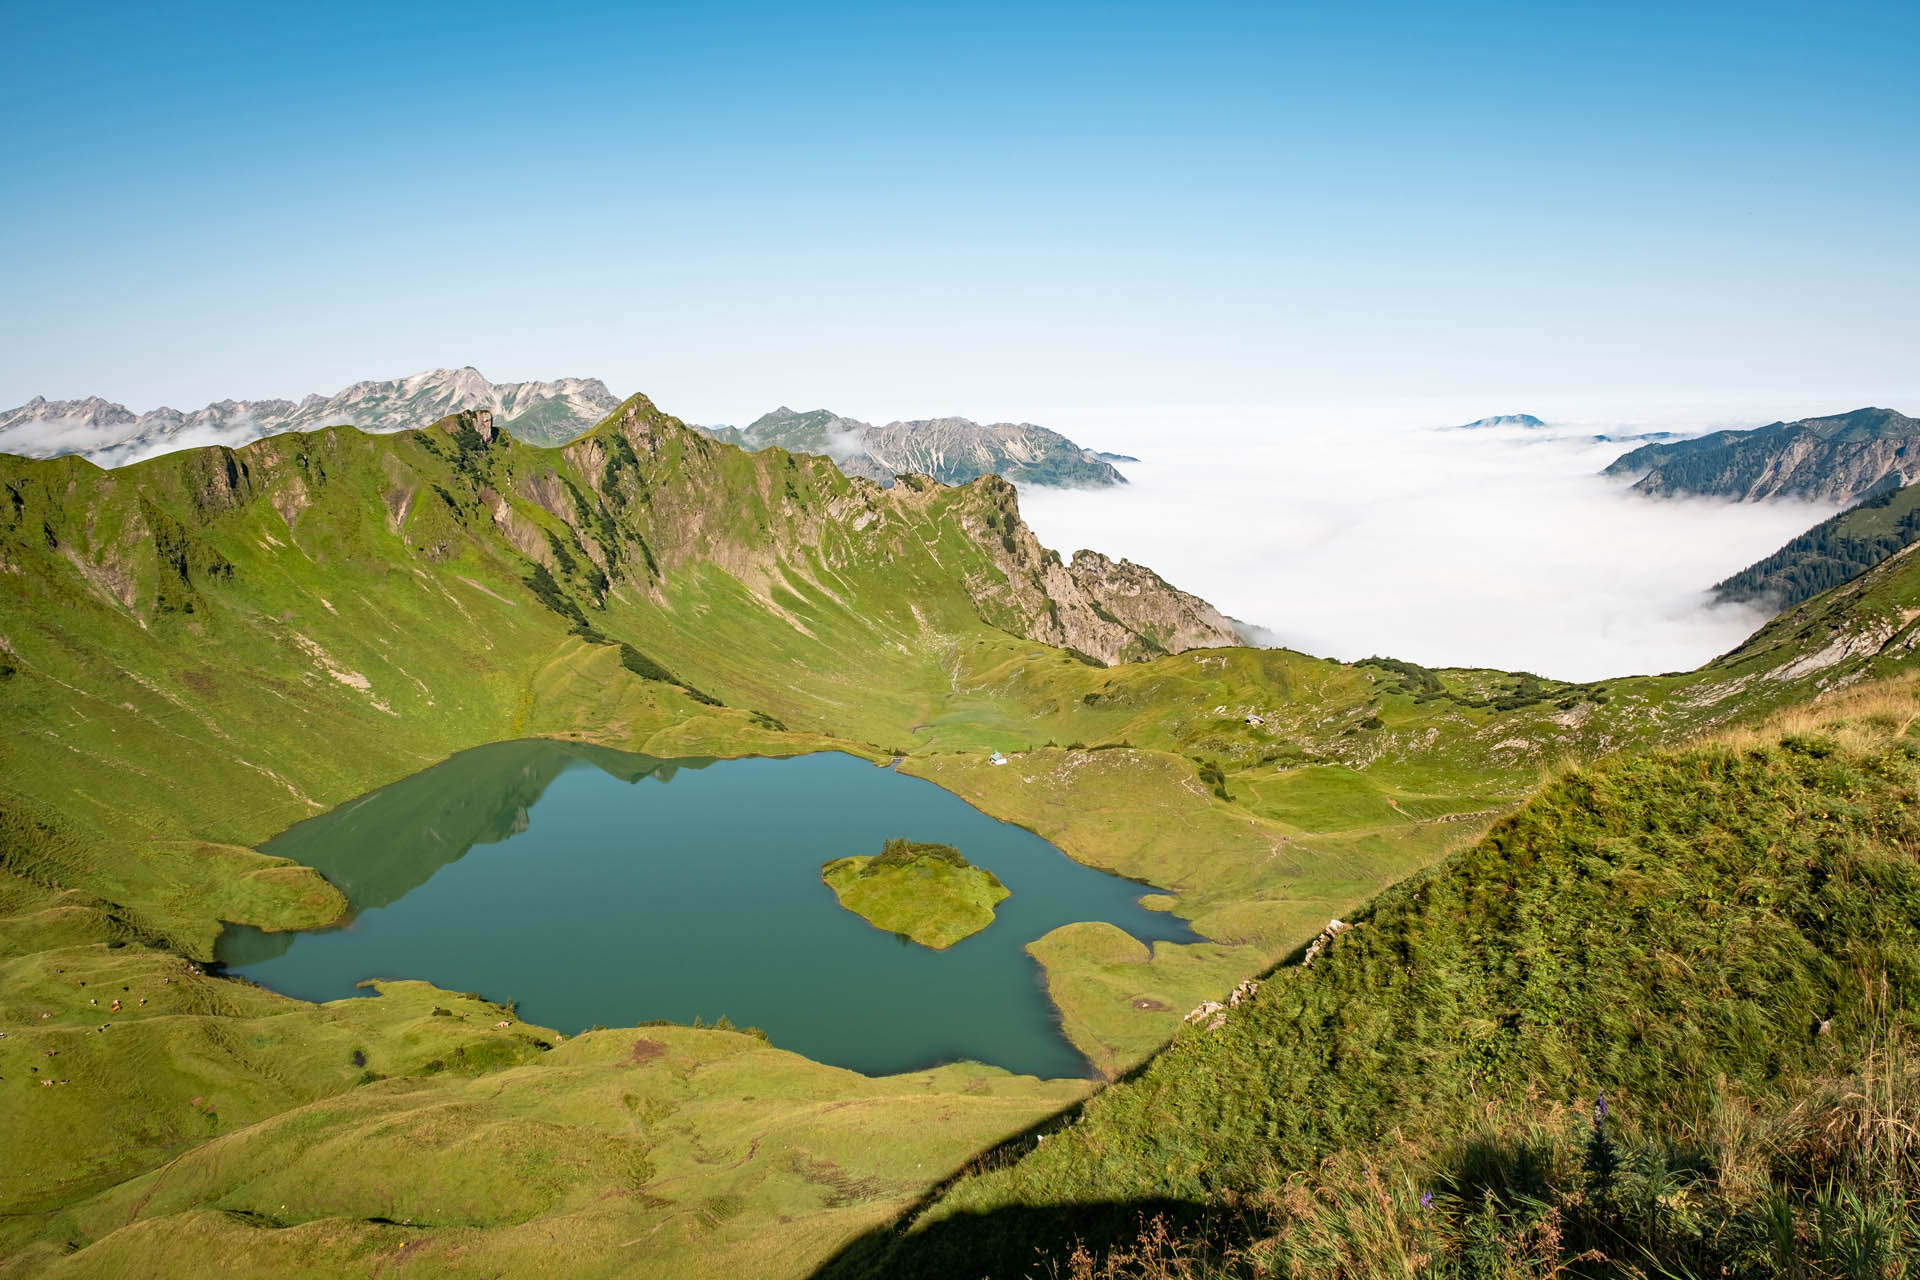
(1496, 548)
(50, 437)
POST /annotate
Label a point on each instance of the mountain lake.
(595, 887)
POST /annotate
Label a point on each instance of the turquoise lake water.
(599, 888)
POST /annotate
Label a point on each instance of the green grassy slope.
(682, 1152)
(199, 651)
(1688, 932)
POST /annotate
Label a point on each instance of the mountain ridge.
(1839, 458)
(953, 450)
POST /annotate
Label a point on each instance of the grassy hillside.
(199, 651)
(688, 1151)
(1707, 939)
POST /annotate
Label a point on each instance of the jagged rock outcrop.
(478, 421)
(1113, 611)
(1146, 604)
(1842, 458)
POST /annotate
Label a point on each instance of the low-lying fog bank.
(1355, 532)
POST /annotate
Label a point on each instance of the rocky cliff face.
(951, 450)
(1149, 606)
(1868, 627)
(110, 435)
(1112, 611)
(1836, 459)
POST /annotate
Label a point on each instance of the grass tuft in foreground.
(1826, 1187)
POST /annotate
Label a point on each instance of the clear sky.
(911, 209)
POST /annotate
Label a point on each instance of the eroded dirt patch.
(645, 1050)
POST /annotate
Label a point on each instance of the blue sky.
(984, 209)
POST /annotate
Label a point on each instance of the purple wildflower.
(1600, 1108)
(1426, 1199)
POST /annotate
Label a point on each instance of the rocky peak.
(1150, 606)
(480, 421)
(1109, 610)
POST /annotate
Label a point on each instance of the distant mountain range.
(951, 450)
(1637, 436)
(1526, 420)
(1842, 458)
(111, 435)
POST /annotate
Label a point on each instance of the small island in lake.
(925, 892)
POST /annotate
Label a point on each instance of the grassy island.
(926, 892)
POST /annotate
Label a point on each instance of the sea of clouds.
(1354, 532)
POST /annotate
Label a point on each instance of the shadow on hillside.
(1019, 1241)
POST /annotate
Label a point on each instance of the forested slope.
(1833, 552)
